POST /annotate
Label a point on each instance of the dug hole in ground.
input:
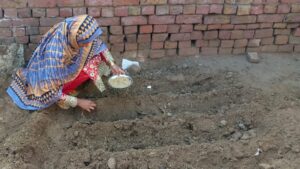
(208, 112)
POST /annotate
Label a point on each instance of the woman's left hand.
(116, 70)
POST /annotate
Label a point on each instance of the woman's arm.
(67, 101)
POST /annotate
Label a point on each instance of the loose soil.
(208, 112)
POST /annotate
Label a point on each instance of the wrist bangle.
(72, 101)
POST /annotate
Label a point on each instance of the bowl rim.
(116, 76)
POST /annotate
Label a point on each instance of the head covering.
(57, 60)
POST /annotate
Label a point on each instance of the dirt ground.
(202, 112)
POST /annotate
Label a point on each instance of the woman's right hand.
(86, 105)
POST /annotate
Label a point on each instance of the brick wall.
(158, 28)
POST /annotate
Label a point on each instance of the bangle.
(72, 101)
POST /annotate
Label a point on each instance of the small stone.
(242, 126)
(223, 122)
(245, 136)
(112, 163)
(253, 57)
(169, 114)
(236, 136)
(265, 166)
(76, 133)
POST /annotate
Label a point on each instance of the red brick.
(243, 19)
(159, 37)
(161, 20)
(209, 50)
(294, 40)
(38, 12)
(237, 51)
(24, 13)
(240, 43)
(107, 12)
(108, 21)
(35, 38)
(19, 32)
(297, 32)
(285, 48)
(148, 10)
(130, 29)
(157, 45)
(117, 47)
(176, 9)
(200, 27)
(202, 9)
(13, 4)
(201, 43)
(292, 17)
(70, 3)
(22, 39)
(237, 34)
(270, 9)
(40, 4)
(292, 25)
(188, 51)
(160, 28)
(266, 25)
(253, 26)
(134, 10)
(270, 18)
(248, 34)
(181, 1)
(297, 48)
(283, 8)
(184, 44)
(253, 49)
(225, 51)
(263, 33)
(227, 43)
(214, 43)
(282, 32)
(216, 19)
(5, 32)
(173, 28)
(296, 8)
(132, 38)
(98, 2)
(244, 10)
(116, 38)
(180, 36)
(134, 20)
(153, 2)
(125, 2)
(216, 9)
(116, 30)
(171, 52)
(43, 30)
(146, 29)
(188, 19)
(145, 45)
(214, 27)
(65, 12)
(290, 1)
(186, 28)
(52, 12)
(162, 10)
(230, 9)
(189, 9)
(280, 25)
(94, 11)
(281, 39)
(32, 30)
(195, 35)
(257, 9)
(79, 11)
(131, 46)
(227, 26)
(121, 11)
(170, 45)
(157, 53)
(267, 41)
(211, 35)
(10, 13)
(25, 22)
(224, 34)
(144, 38)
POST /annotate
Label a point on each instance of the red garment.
(90, 71)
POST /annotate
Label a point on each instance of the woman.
(69, 54)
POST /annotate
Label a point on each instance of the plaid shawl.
(57, 60)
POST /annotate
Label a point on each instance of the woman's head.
(88, 31)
